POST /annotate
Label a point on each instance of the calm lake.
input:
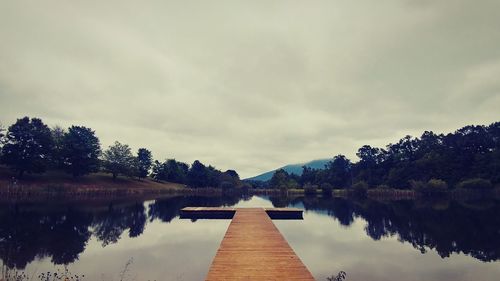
(370, 240)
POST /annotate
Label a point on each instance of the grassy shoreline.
(388, 194)
(56, 185)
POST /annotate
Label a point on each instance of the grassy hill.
(98, 181)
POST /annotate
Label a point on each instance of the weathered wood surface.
(228, 213)
(207, 213)
(254, 249)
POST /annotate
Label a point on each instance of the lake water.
(370, 240)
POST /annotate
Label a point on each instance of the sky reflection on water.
(368, 240)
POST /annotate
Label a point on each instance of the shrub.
(360, 184)
(433, 186)
(436, 185)
(417, 185)
(339, 277)
(225, 185)
(360, 188)
(246, 186)
(383, 187)
(326, 189)
(310, 189)
(292, 184)
(477, 183)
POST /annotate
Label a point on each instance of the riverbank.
(57, 184)
(383, 194)
(100, 186)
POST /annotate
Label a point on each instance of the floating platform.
(253, 248)
(228, 213)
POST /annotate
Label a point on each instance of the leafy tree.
(2, 139)
(57, 160)
(280, 179)
(404, 150)
(370, 156)
(214, 177)
(339, 171)
(81, 151)
(2, 134)
(170, 170)
(27, 147)
(118, 159)
(366, 168)
(178, 171)
(229, 179)
(198, 174)
(144, 162)
(494, 132)
(158, 172)
(233, 174)
(468, 153)
(308, 175)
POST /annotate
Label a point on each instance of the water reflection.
(102, 237)
(61, 232)
(446, 226)
(29, 232)
(168, 209)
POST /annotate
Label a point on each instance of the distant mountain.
(292, 169)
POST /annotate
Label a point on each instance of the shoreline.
(101, 187)
(69, 193)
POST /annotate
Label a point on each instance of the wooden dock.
(253, 248)
(228, 213)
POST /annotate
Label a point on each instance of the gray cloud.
(251, 85)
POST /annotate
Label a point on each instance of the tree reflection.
(169, 208)
(108, 226)
(61, 232)
(445, 226)
(27, 234)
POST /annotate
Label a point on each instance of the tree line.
(30, 146)
(468, 157)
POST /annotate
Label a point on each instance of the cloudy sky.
(251, 85)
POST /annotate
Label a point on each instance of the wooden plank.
(207, 213)
(234, 209)
(228, 213)
(254, 249)
(284, 213)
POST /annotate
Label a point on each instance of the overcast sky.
(251, 85)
